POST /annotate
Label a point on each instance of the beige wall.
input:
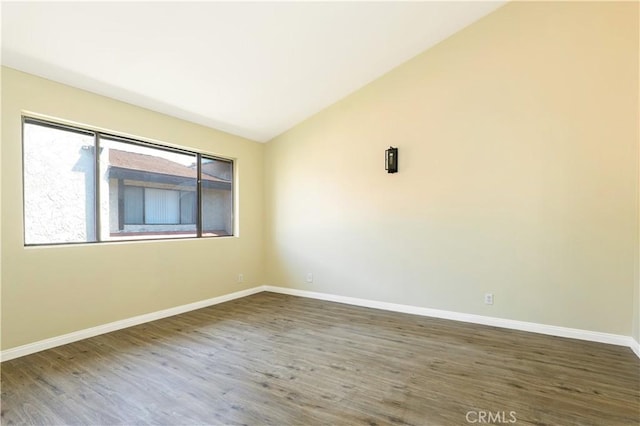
(636, 295)
(49, 291)
(636, 312)
(1, 210)
(518, 175)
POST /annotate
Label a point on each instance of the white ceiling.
(251, 69)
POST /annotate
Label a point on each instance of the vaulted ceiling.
(251, 69)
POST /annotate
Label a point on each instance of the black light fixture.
(391, 160)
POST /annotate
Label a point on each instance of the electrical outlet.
(309, 277)
(488, 298)
(240, 278)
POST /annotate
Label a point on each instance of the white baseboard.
(594, 336)
(635, 346)
(552, 330)
(118, 325)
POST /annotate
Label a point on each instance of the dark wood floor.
(271, 359)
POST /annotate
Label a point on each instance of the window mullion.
(96, 182)
(199, 195)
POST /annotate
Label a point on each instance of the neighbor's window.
(151, 206)
(82, 186)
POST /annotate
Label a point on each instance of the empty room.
(313, 213)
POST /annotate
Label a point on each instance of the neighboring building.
(150, 194)
(59, 182)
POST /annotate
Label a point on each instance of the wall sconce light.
(391, 160)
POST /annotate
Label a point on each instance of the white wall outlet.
(309, 277)
(488, 298)
(240, 278)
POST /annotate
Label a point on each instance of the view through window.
(82, 186)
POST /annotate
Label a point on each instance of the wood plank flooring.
(272, 359)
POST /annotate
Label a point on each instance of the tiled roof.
(151, 164)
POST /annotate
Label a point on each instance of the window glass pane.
(217, 197)
(188, 209)
(153, 210)
(133, 205)
(59, 185)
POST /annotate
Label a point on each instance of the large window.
(82, 186)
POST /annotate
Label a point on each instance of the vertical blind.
(161, 206)
(133, 212)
